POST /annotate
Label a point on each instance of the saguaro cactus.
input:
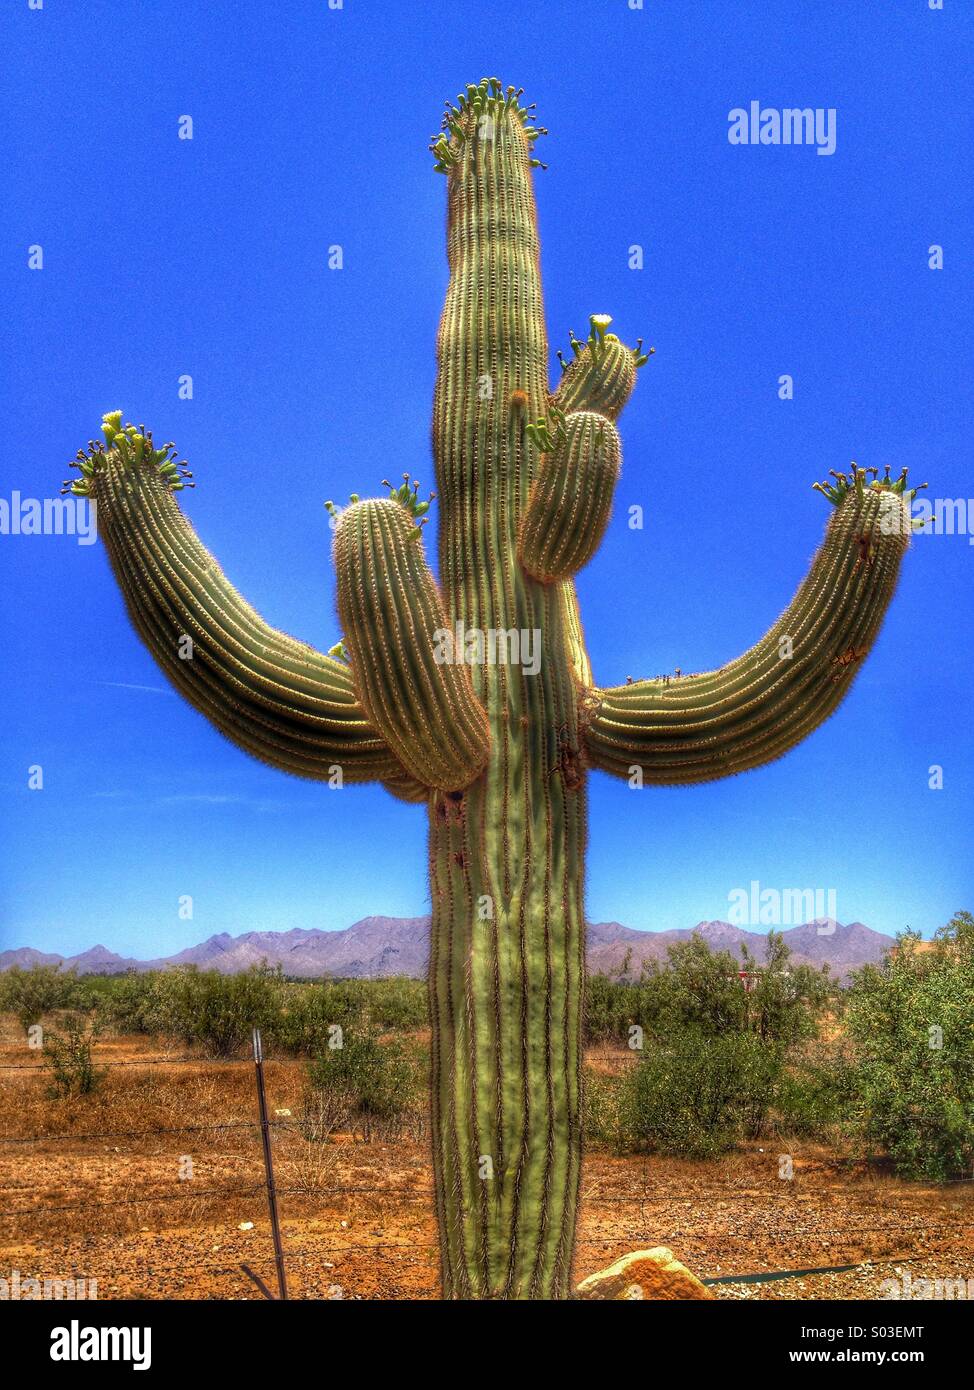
(498, 750)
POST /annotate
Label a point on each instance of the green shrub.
(366, 1084)
(601, 1117)
(701, 989)
(611, 1007)
(308, 1018)
(814, 1095)
(787, 1001)
(712, 1068)
(73, 1073)
(695, 1096)
(30, 994)
(94, 991)
(216, 1012)
(396, 1004)
(911, 1023)
(143, 1003)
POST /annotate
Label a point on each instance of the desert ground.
(357, 1217)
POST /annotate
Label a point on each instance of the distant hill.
(381, 946)
(824, 941)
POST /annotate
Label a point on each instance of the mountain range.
(381, 946)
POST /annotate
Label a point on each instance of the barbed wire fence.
(264, 1126)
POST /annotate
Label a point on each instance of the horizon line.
(750, 930)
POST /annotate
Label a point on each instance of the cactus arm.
(601, 374)
(277, 698)
(408, 789)
(413, 683)
(700, 727)
(571, 499)
(570, 623)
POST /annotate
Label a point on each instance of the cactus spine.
(525, 477)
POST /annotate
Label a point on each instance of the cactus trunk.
(506, 973)
(506, 857)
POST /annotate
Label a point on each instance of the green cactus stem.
(496, 749)
(601, 375)
(278, 698)
(698, 727)
(392, 611)
(571, 500)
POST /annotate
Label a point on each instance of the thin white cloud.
(256, 803)
(203, 798)
(126, 685)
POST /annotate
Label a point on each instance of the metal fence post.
(265, 1133)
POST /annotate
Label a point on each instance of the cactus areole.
(496, 748)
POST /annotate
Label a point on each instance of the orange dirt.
(358, 1218)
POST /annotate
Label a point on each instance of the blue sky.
(210, 257)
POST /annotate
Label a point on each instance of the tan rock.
(644, 1274)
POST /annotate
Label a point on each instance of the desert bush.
(324, 1113)
(601, 1117)
(814, 1094)
(30, 994)
(396, 1004)
(93, 991)
(911, 1024)
(367, 1085)
(787, 1001)
(611, 1007)
(68, 1055)
(311, 1163)
(309, 1016)
(695, 1096)
(218, 1012)
(700, 989)
(138, 1003)
(717, 1059)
